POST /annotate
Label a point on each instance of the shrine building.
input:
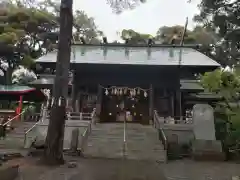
(138, 79)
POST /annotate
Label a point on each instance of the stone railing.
(84, 137)
(157, 124)
(177, 120)
(4, 126)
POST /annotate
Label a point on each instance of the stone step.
(11, 143)
(142, 142)
(15, 138)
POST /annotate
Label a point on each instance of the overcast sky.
(146, 18)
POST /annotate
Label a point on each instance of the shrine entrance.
(121, 103)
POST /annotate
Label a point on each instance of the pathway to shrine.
(138, 142)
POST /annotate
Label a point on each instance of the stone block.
(74, 139)
(8, 172)
(203, 122)
(207, 150)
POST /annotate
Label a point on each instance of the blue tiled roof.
(134, 56)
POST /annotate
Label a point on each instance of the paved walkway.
(142, 143)
(117, 169)
(192, 170)
(94, 169)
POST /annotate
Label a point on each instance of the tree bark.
(53, 153)
(8, 76)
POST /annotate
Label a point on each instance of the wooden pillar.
(151, 98)
(78, 103)
(99, 101)
(73, 95)
(178, 103)
(172, 104)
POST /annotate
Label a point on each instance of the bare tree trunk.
(8, 75)
(53, 153)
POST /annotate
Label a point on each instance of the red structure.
(14, 93)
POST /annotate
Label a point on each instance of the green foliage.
(212, 81)
(27, 61)
(83, 24)
(134, 37)
(28, 30)
(166, 34)
(118, 6)
(85, 27)
(9, 38)
(222, 17)
(199, 35)
(227, 113)
(225, 83)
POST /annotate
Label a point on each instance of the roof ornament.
(82, 40)
(171, 53)
(104, 52)
(149, 52)
(150, 41)
(105, 41)
(127, 52)
(83, 50)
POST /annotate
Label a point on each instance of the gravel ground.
(117, 169)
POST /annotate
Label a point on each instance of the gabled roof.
(156, 56)
(13, 92)
(46, 80)
(191, 85)
(15, 89)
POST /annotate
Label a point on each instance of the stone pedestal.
(203, 122)
(74, 140)
(205, 146)
(207, 150)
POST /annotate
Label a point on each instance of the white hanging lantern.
(138, 91)
(115, 91)
(106, 92)
(130, 92)
(145, 94)
(134, 92)
(125, 90)
(53, 99)
(112, 92)
(121, 91)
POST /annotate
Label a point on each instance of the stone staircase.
(77, 116)
(74, 115)
(106, 141)
(80, 116)
(15, 138)
(143, 143)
